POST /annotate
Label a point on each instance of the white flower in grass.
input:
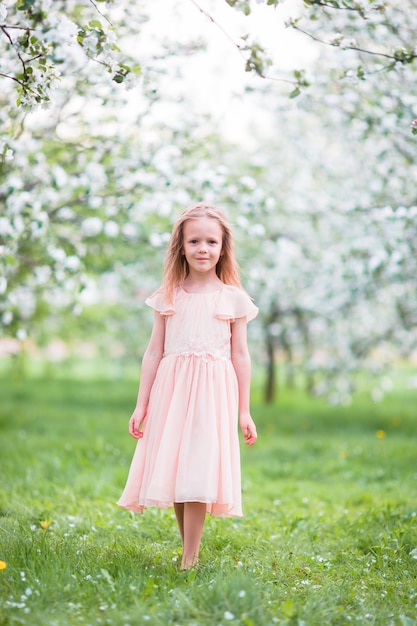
(413, 553)
(228, 615)
(242, 593)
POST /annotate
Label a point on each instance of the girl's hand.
(248, 428)
(135, 422)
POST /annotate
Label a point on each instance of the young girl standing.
(195, 380)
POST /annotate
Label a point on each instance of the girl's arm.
(150, 362)
(242, 364)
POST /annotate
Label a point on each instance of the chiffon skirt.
(189, 451)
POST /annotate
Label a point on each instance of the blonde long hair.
(176, 267)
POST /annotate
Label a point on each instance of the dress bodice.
(199, 323)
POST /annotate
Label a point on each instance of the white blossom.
(92, 226)
(111, 228)
(131, 81)
(5, 227)
(7, 318)
(72, 263)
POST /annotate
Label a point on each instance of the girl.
(195, 376)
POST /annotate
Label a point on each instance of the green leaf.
(25, 5)
(241, 5)
(360, 73)
(295, 92)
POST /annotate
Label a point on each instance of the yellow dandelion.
(3, 564)
(380, 434)
(45, 523)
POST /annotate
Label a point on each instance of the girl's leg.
(179, 513)
(193, 524)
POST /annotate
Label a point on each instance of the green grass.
(327, 538)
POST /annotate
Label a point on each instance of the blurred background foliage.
(104, 141)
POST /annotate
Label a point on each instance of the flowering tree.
(88, 204)
(323, 207)
(357, 94)
(52, 188)
(373, 37)
(70, 178)
(41, 40)
(335, 264)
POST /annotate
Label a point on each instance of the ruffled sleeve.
(235, 303)
(157, 302)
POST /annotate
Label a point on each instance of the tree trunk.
(270, 386)
(289, 366)
(302, 321)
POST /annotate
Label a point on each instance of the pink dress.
(189, 451)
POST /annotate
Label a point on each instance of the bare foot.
(189, 563)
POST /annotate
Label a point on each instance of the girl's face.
(202, 244)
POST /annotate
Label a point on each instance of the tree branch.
(14, 27)
(332, 6)
(213, 21)
(25, 87)
(239, 47)
(100, 13)
(4, 29)
(392, 57)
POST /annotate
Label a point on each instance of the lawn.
(329, 534)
